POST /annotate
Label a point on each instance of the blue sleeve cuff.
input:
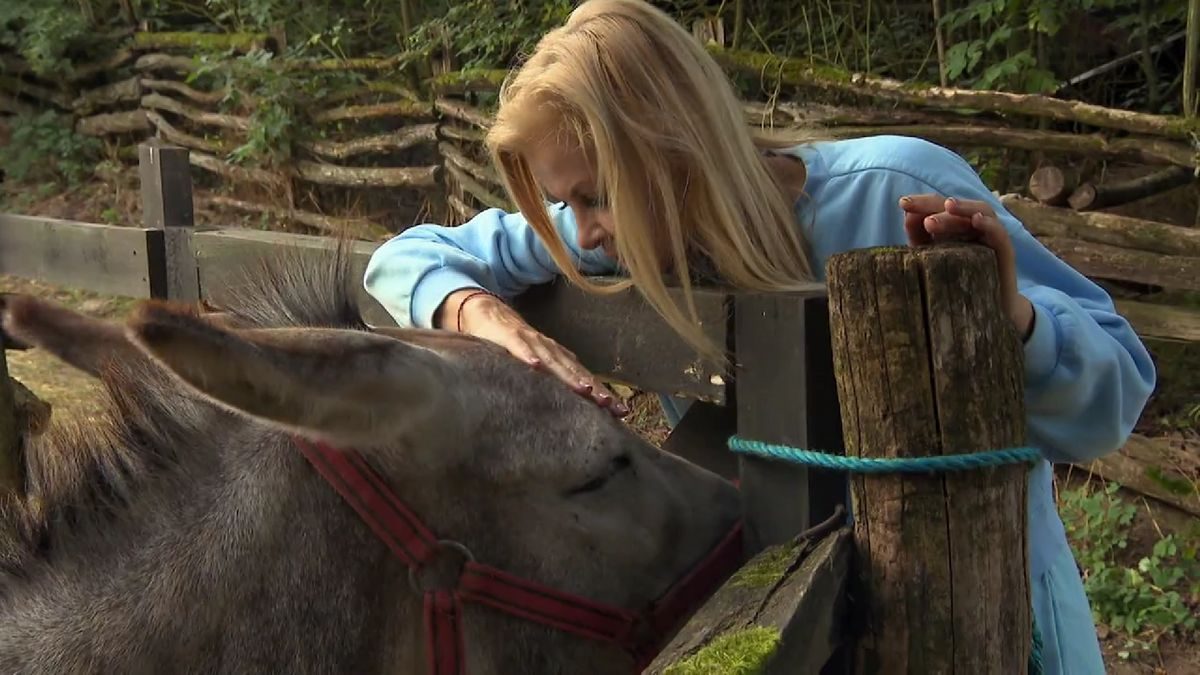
(1043, 347)
(432, 289)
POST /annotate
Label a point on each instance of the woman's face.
(565, 174)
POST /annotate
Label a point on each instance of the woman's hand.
(930, 218)
(486, 316)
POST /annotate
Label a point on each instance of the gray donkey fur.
(183, 532)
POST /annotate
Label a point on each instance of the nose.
(590, 234)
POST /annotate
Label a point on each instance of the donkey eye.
(618, 464)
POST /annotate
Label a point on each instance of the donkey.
(185, 532)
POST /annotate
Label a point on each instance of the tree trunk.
(1104, 228)
(801, 73)
(1150, 466)
(332, 174)
(89, 70)
(929, 364)
(273, 181)
(1092, 196)
(460, 208)
(18, 87)
(401, 139)
(461, 133)
(1120, 264)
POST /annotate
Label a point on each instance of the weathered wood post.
(166, 180)
(10, 433)
(928, 364)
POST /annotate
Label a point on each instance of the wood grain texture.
(927, 364)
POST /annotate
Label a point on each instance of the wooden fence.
(783, 390)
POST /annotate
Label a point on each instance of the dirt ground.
(73, 394)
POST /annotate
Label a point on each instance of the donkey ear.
(85, 342)
(346, 387)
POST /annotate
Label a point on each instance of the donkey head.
(490, 453)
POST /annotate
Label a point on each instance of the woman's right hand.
(486, 316)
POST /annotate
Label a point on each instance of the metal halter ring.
(442, 545)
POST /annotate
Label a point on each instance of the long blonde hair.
(675, 158)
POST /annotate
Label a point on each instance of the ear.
(349, 388)
(85, 342)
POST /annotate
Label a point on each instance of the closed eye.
(617, 465)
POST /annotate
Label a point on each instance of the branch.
(465, 81)
(464, 112)
(180, 65)
(461, 208)
(357, 228)
(15, 106)
(1104, 228)
(1102, 261)
(262, 177)
(330, 174)
(170, 133)
(466, 164)
(359, 112)
(401, 139)
(18, 87)
(89, 70)
(479, 192)
(461, 133)
(201, 97)
(127, 90)
(106, 124)
(1151, 151)
(199, 116)
(798, 73)
(1092, 196)
(392, 63)
(218, 42)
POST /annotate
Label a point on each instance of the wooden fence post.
(928, 364)
(786, 394)
(166, 180)
(10, 435)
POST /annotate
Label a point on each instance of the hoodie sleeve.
(1088, 375)
(412, 273)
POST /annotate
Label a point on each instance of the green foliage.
(1157, 595)
(281, 98)
(488, 34)
(44, 32)
(44, 148)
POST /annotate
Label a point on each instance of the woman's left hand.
(930, 218)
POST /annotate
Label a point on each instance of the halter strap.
(403, 532)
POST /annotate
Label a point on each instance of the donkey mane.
(81, 474)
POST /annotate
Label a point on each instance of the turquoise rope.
(964, 462)
(975, 460)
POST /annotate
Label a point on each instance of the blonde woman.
(623, 122)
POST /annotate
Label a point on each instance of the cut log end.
(1052, 185)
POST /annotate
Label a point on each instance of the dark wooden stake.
(785, 394)
(167, 205)
(928, 364)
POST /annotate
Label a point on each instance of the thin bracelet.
(458, 321)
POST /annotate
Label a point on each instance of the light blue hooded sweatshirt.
(1087, 374)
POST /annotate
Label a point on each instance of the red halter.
(639, 633)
